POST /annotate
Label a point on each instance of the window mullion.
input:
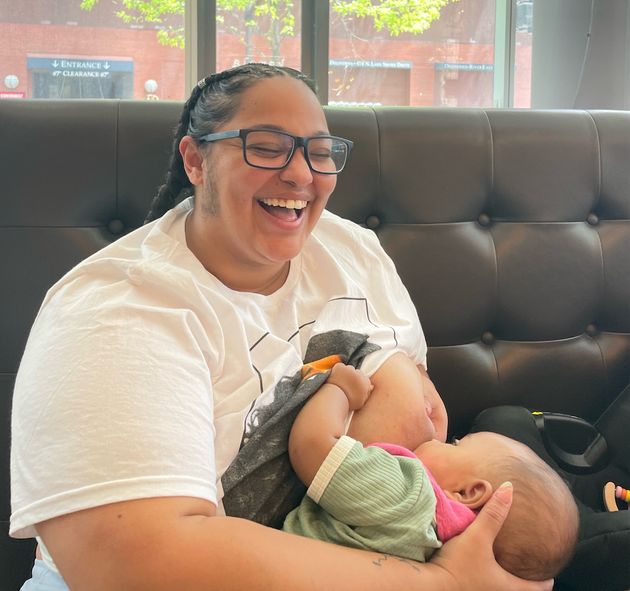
(315, 36)
(504, 53)
(200, 34)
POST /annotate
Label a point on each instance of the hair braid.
(176, 179)
(214, 100)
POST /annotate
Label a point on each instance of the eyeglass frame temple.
(298, 141)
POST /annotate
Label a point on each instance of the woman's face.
(255, 218)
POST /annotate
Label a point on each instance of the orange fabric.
(320, 366)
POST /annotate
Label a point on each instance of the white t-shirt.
(143, 372)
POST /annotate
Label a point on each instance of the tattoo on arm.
(385, 557)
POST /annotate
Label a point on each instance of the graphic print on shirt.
(260, 484)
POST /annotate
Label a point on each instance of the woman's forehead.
(280, 102)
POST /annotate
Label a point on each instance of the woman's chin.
(283, 251)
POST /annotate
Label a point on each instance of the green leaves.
(151, 11)
(395, 16)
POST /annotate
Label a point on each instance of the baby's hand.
(354, 383)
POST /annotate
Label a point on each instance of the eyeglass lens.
(269, 149)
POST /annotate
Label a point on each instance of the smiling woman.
(256, 242)
(182, 347)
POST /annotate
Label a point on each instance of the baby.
(386, 498)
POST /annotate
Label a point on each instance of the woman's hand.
(469, 559)
(354, 383)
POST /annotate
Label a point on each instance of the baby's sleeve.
(360, 486)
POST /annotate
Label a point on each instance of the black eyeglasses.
(271, 149)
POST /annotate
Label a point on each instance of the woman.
(163, 373)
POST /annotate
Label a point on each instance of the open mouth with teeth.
(284, 209)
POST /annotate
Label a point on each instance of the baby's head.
(539, 535)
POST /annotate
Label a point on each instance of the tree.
(158, 12)
(281, 19)
(395, 16)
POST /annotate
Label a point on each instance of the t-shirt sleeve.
(395, 324)
(111, 403)
(366, 486)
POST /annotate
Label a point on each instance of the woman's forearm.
(153, 545)
(271, 559)
(175, 543)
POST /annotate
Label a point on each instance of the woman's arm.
(322, 420)
(167, 544)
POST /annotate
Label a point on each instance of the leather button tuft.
(487, 338)
(373, 222)
(116, 227)
(592, 219)
(484, 220)
(591, 330)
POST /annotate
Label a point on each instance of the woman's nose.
(297, 171)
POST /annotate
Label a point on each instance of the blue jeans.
(44, 579)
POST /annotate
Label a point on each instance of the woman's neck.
(260, 281)
(237, 275)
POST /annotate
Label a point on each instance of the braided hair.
(214, 100)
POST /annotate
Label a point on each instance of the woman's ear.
(192, 158)
(474, 494)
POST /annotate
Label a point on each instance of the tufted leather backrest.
(511, 230)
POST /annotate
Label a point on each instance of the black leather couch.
(511, 230)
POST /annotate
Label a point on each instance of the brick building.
(54, 49)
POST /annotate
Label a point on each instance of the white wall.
(561, 78)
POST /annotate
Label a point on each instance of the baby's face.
(468, 458)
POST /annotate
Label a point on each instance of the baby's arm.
(321, 422)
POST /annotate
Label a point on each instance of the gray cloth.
(260, 483)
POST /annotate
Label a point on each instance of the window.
(524, 16)
(261, 32)
(463, 53)
(523, 54)
(65, 49)
(447, 61)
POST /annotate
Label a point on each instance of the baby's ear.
(474, 495)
